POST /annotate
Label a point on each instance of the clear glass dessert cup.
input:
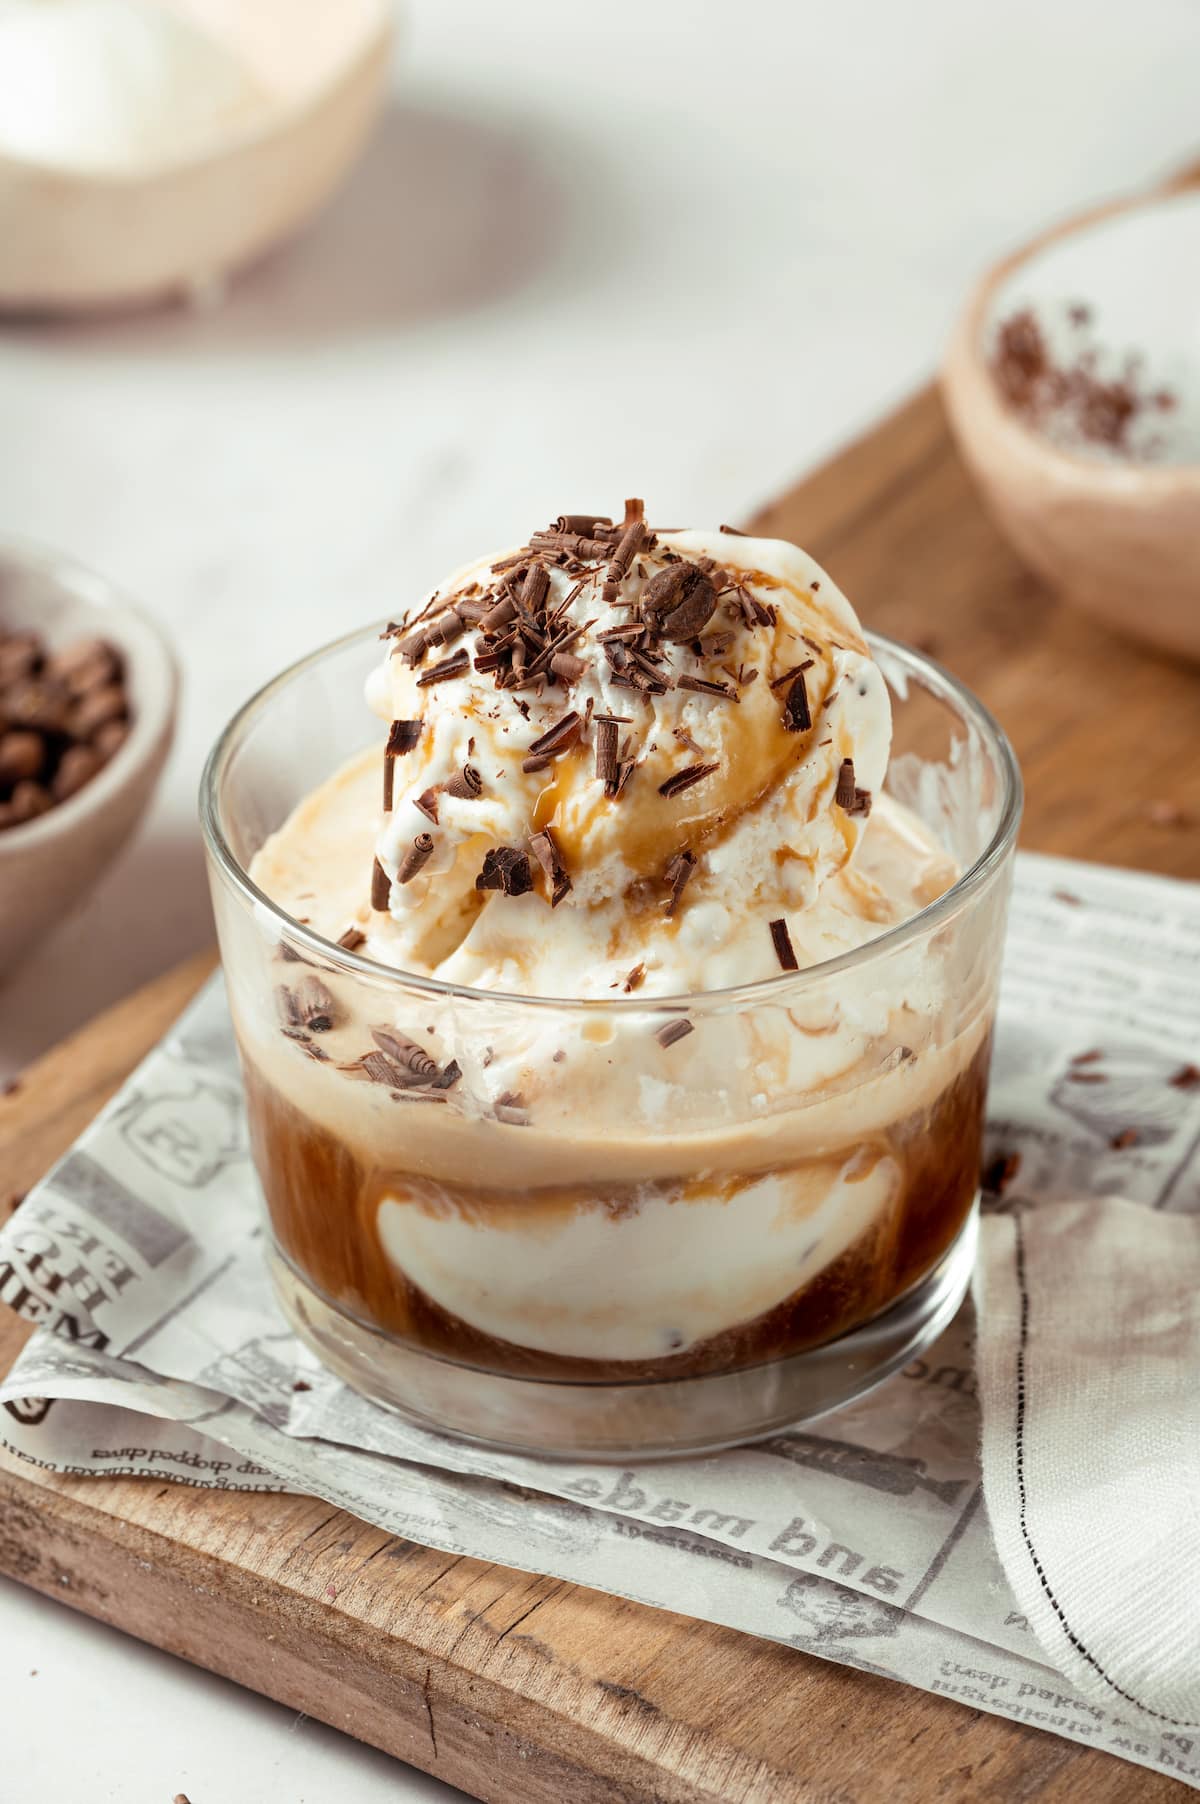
(638, 1226)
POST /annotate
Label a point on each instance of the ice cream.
(620, 766)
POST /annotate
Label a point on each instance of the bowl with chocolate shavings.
(1072, 384)
(87, 711)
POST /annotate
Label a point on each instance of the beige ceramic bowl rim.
(917, 666)
(965, 365)
(376, 36)
(138, 637)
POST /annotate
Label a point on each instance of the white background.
(665, 248)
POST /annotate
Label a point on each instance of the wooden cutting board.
(526, 1689)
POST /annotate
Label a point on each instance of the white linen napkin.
(1089, 1375)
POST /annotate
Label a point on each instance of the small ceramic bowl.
(1101, 493)
(76, 239)
(50, 864)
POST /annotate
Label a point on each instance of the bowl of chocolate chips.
(87, 710)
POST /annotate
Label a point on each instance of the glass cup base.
(648, 1418)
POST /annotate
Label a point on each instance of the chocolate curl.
(406, 1053)
(618, 569)
(535, 589)
(415, 858)
(465, 784)
(498, 617)
(606, 751)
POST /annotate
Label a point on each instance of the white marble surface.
(650, 248)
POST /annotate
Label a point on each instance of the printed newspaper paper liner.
(862, 1539)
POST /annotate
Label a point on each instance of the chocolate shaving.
(381, 885)
(701, 686)
(403, 736)
(559, 738)
(633, 979)
(797, 716)
(535, 588)
(315, 1006)
(411, 1058)
(352, 939)
(447, 1079)
(672, 1031)
(584, 524)
(624, 772)
(1186, 1078)
(1127, 1137)
(449, 667)
(506, 868)
(566, 665)
(779, 681)
(735, 532)
(446, 628)
(606, 750)
(677, 874)
(497, 618)
(465, 784)
(537, 761)
(427, 804)
(573, 547)
(382, 1070)
(618, 567)
(415, 858)
(413, 649)
(545, 850)
(785, 952)
(684, 779)
(847, 796)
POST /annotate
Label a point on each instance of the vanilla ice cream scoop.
(625, 756)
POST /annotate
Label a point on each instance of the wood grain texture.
(528, 1690)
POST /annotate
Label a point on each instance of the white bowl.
(51, 864)
(76, 239)
(1118, 535)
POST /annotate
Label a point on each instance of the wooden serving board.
(526, 1689)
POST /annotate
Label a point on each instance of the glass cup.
(606, 1228)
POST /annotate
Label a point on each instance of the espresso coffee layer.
(329, 1213)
